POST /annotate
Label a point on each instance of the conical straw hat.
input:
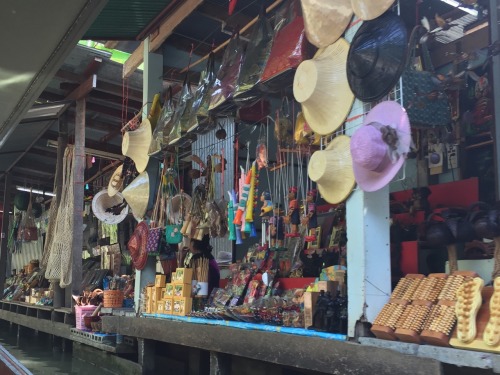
(137, 194)
(321, 86)
(331, 169)
(370, 9)
(102, 202)
(325, 21)
(116, 181)
(136, 143)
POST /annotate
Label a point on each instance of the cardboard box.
(149, 300)
(169, 291)
(328, 286)
(182, 305)
(182, 290)
(157, 295)
(34, 300)
(160, 281)
(183, 276)
(168, 306)
(310, 299)
(160, 307)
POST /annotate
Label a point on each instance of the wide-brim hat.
(375, 163)
(137, 246)
(325, 21)
(178, 207)
(141, 192)
(321, 86)
(102, 202)
(116, 181)
(331, 169)
(377, 57)
(135, 145)
(370, 9)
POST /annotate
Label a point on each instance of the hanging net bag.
(60, 251)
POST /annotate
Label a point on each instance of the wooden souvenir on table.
(267, 204)
(312, 219)
(277, 227)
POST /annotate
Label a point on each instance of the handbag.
(179, 128)
(157, 218)
(29, 231)
(199, 116)
(163, 126)
(256, 56)
(425, 102)
(227, 77)
(290, 47)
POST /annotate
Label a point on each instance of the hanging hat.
(377, 57)
(137, 246)
(116, 181)
(178, 207)
(21, 200)
(325, 21)
(136, 143)
(370, 9)
(331, 169)
(141, 192)
(111, 210)
(379, 147)
(321, 86)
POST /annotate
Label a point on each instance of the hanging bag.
(425, 102)
(30, 231)
(163, 127)
(173, 228)
(185, 101)
(290, 47)
(156, 223)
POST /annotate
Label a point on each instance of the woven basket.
(113, 298)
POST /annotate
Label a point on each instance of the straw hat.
(178, 207)
(116, 181)
(370, 9)
(331, 169)
(141, 192)
(110, 210)
(136, 143)
(379, 147)
(325, 21)
(137, 246)
(377, 57)
(321, 86)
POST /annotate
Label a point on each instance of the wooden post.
(62, 142)
(5, 230)
(78, 193)
(494, 13)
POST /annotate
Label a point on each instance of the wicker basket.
(113, 298)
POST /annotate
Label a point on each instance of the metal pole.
(5, 230)
(62, 141)
(494, 36)
(78, 193)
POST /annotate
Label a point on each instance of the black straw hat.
(377, 57)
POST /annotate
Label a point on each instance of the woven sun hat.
(377, 57)
(331, 169)
(325, 21)
(135, 145)
(321, 86)
(137, 246)
(141, 192)
(110, 210)
(177, 208)
(116, 181)
(379, 147)
(370, 9)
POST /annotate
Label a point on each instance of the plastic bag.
(164, 126)
(183, 105)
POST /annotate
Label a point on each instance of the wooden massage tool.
(468, 303)
(386, 322)
(491, 334)
(441, 319)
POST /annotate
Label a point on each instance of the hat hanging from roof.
(135, 145)
(178, 206)
(325, 21)
(111, 210)
(379, 147)
(321, 86)
(370, 9)
(21, 200)
(331, 169)
(377, 57)
(116, 181)
(141, 192)
(137, 246)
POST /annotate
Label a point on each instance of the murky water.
(43, 356)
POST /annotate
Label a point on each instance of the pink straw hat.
(379, 147)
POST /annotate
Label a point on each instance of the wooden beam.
(219, 13)
(5, 229)
(111, 44)
(51, 135)
(160, 35)
(92, 67)
(84, 88)
(114, 89)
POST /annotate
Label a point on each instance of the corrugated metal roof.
(124, 19)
